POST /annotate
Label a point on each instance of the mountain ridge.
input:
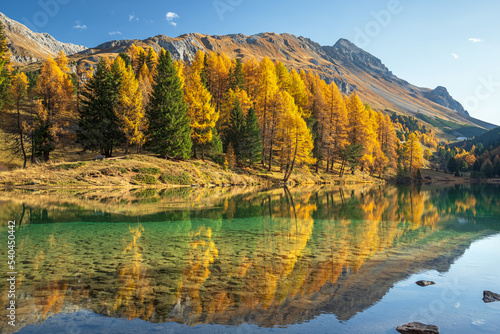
(27, 46)
(350, 67)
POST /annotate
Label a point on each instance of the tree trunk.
(21, 140)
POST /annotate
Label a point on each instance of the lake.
(310, 259)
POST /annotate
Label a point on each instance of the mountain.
(350, 67)
(27, 46)
(441, 96)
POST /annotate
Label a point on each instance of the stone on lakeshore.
(418, 328)
(425, 283)
(490, 297)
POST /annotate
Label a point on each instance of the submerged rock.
(425, 283)
(490, 297)
(418, 328)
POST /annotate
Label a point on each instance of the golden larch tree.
(200, 108)
(413, 154)
(54, 110)
(335, 123)
(130, 110)
(251, 73)
(294, 140)
(267, 102)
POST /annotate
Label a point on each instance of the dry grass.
(132, 172)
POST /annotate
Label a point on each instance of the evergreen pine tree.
(169, 125)
(252, 147)
(236, 76)
(99, 128)
(236, 130)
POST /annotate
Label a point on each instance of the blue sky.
(455, 44)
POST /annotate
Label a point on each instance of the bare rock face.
(27, 46)
(441, 96)
(425, 283)
(418, 328)
(490, 297)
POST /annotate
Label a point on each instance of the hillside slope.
(27, 46)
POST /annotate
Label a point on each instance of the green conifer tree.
(236, 76)
(252, 147)
(169, 125)
(236, 131)
(99, 127)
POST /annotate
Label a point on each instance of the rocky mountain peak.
(441, 96)
(353, 57)
(27, 46)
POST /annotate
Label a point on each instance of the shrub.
(71, 166)
(121, 169)
(146, 178)
(147, 170)
(184, 179)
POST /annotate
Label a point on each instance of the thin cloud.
(454, 55)
(132, 17)
(112, 33)
(475, 40)
(79, 26)
(171, 16)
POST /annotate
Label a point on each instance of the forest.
(235, 113)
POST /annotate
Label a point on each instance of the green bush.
(219, 159)
(147, 170)
(71, 166)
(184, 179)
(121, 169)
(146, 178)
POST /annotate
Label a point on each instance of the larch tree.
(217, 70)
(201, 110)
(180, 67)
(267, 101)
(283, 76)
(99, 127)
(169, 132)
(361, 130)
(19, 94)
(145, 83)
(5, 67)
(297, 88)
(413, 154)
(335, 133)
(251, 74)
(293, 139)
(388, 139)
(129, 109)
(54, 109)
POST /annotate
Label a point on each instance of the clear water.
(294, 261)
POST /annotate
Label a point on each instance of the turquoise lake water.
(314, 260)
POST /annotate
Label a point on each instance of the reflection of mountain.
(275, 258)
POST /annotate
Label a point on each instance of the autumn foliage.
(297, 120)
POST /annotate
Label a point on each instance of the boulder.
(425, 283)
(490, 297)
(418, 328)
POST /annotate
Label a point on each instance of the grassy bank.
(137, 171)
